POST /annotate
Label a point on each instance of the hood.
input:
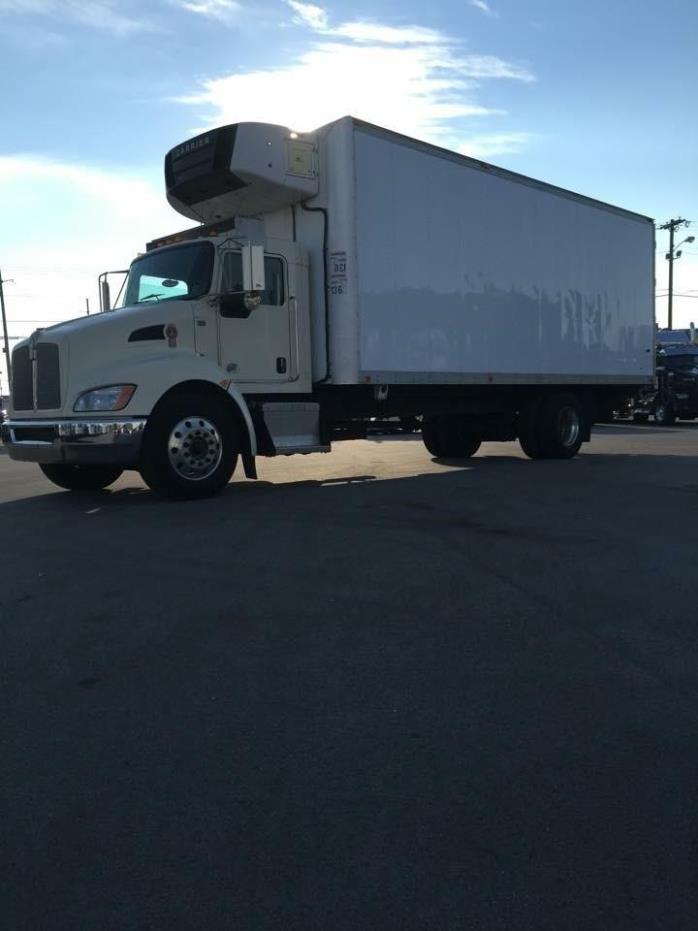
(89, 351)
(114, 322)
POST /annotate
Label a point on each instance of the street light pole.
(672, 226)
(8, 359)
(670, 316)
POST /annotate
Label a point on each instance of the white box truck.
(338, 278)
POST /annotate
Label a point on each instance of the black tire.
(664, 414)
(640, 418)
(190, 447)
(81, 478)
(528, 431)
(529, 444)
(553, 428)
(446, 438)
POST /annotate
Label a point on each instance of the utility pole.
(8, 360)
(672, 226)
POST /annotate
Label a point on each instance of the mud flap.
(249, 465)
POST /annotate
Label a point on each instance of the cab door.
(258, 349)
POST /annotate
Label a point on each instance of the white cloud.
(490, 66)
(65, 223)
(223, 10)
(488, 145)
(307, 14)
(484, 7)
(391, 35)
(98, 14)
(119, 192)
(315, 18)
(408, 78)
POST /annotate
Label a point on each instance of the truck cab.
(255, 331)
(675, 395)
(218, 314)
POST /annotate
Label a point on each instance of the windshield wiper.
(142, 300)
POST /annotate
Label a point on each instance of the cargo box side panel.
(466, 276)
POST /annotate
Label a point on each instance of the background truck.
(674, 395)
(339, 278)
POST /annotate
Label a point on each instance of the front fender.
(239, 399)
(156, 374)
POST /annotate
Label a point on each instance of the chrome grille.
(22, 392)
(48, 377)
(46, 380)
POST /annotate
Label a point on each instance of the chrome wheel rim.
(569, 426)
(195, 448)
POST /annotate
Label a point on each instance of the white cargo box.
(443, 269)
(433, 267)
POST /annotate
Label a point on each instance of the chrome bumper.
(81, 442)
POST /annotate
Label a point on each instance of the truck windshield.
(175, 273)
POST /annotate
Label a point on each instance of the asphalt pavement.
(370, 691)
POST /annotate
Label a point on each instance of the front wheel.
(664, 414)
(81, 478)
(190, 447)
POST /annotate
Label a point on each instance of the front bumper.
(76, 442)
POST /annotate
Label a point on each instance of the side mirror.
(239, 304)
(105, 294)
(253, 268)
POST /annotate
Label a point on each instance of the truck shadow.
(494, 476)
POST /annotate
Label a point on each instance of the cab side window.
(274, 275)
(232, 272)
(274, 294)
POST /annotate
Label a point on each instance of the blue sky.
(595, 96)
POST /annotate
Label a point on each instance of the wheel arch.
(235, 400)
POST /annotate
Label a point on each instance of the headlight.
(111, 398)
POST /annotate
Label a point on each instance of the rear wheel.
(190, 447)
(553, 428)
(81, 478)
(664, 414)
(446, 437)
